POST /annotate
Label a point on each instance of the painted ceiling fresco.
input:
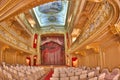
(52, 13)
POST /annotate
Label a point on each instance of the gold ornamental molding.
(9, 8)
(115, 29)
(5, 47)
(83, 53)
(2, 6)
(115, 25)
(95, 0)
(9, 40)
(113, 17)
(94, 46)
(116, 9)
(97, 32)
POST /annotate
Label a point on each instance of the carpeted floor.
(47, 77)
(49, 71)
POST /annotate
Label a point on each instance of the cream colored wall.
(20, 59)
(12, 56)
(91, 59)
(9, 57)
(0, 55)
(111, 54)
(107, 56)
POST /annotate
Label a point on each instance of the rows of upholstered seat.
(20, 72)
(113, 75)
(84, 73)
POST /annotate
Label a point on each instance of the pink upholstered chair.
(114, 75)
(74, 78)
(64, 78)
(101, 76)
(54, 78)
(106, 71)
(55, 75)
(77, 73)
(83, 77)
(91, 74)
(94, 78)
(115, 71)
(70, 74)
(63, 74)
(84, 71)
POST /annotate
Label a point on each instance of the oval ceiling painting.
(52, 13)
(52, 7)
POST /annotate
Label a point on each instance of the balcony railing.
(12, 40)
(96, 22)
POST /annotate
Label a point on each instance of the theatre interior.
(59, 39)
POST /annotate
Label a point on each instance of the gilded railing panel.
(10, 40)
(97, 22)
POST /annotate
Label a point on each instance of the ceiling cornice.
(112, 19)
(10, 8)
(116, 9)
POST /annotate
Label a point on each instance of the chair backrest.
(54, 78)
(116, 77)
(9, 76)
(88, 68)
(94, 78)
(56, 75)
(91, 74)
(115, 71)
(21, 74)
(74, 78)
(101, 76)
(63, 74)
(83, 76)
(71, 74)
(97, 68)
(106, 71)
(77, 73)
(64, 78)
(84, 71)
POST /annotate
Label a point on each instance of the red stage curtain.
(35, 40)
(52, 50)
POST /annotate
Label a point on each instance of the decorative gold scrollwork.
(83, 53)
(115, 29)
